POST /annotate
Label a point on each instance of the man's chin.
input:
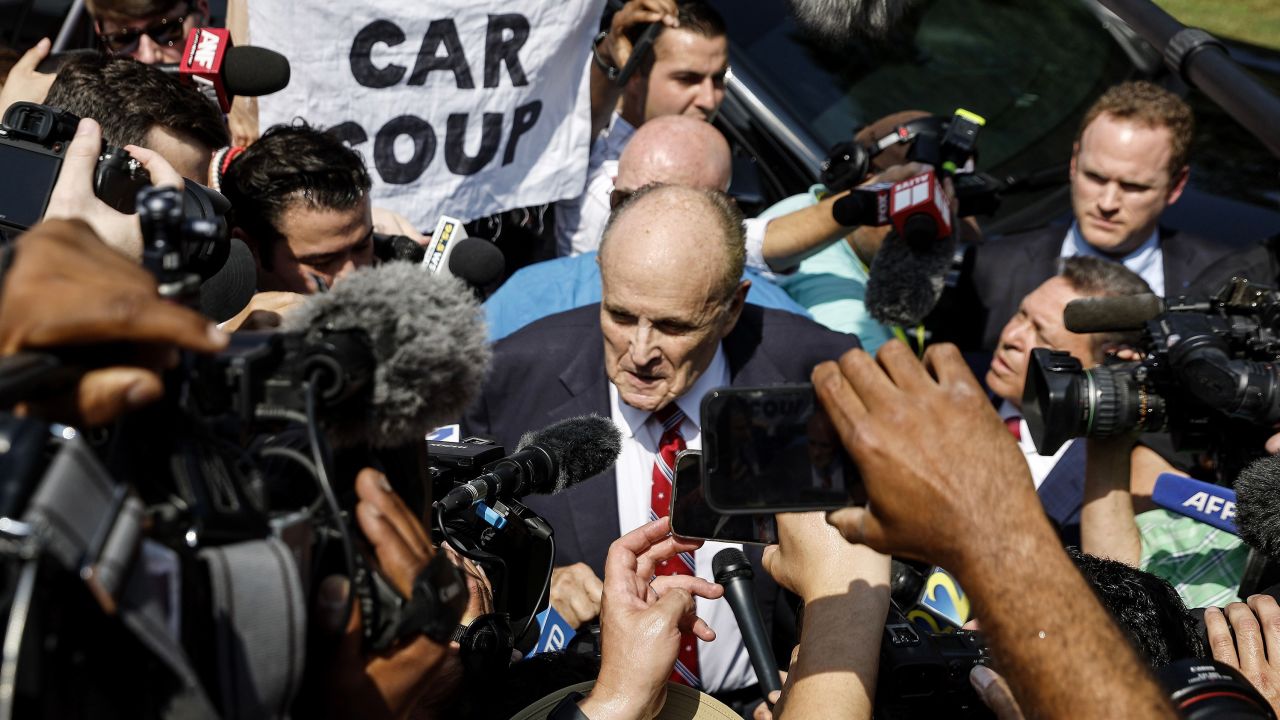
(643, 400)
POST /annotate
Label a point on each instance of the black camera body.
(923, 673)
(33, 142)
(1209, 378)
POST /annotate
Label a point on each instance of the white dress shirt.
(724, 663)
(1040, 465)
(580, 221)
(1147, 260)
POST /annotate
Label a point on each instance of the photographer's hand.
(73, 195)
(948, 485)
(1247, 637)
(641, 621)
(843, 586)
(66, 289)
(576, 593)
(387, 684)
(25, 83)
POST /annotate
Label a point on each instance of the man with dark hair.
(1128, 164)
(684, 75)
(300, 201)
(1038, 323)
(140, 105)
(673, 323)
(1145, 607)
(150, 31)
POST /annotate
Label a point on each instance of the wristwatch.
(567, 709)
(610, 71)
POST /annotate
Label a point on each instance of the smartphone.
(692, 518)
(772, 449)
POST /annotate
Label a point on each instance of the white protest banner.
(459, 107)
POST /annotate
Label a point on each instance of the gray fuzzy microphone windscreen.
(905, 283)
(429, 345)
(582, 447)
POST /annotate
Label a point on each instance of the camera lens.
(1210, 690)
(1120, 402)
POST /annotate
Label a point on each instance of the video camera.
(134, 547)
(33, 143)
(1208, 376)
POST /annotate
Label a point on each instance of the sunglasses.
(165, 32)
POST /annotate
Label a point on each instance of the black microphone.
(429, 349)
(477, 261)
(733, 571)
(243, 70)
(229, 290)
(1258, 505)
(545, 462)
(1112, 313)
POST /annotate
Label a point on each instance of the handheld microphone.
(223, 71)
(545, 462)
(452, 252)
(1211, 504)
(732, 569)
(865, 205)
(428, 344)
(1112, 313)
(919, 210)
(1258, 505)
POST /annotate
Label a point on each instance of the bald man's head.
(668, 301)
(675, 150)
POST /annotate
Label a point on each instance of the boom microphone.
(545, 462)
(428, 343)
(1258, 505)
(837, 22)
(223, 71)
(1112, 313)
(733, 571)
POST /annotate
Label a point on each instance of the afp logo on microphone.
(204, 50)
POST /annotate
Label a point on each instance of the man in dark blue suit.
(1038, 323)
(1129, 163)
(672, 325)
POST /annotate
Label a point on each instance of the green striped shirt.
(1204, 564)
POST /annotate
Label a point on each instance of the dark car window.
(1028, 67)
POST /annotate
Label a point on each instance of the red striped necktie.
(664, 463)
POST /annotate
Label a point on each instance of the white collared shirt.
(1040, 465)
(1147, 260)
(724, 663)
(580, 221)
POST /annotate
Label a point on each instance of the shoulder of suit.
(791, 329)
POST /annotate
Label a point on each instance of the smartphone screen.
(691, 517)
(25, 184)
(773, 449)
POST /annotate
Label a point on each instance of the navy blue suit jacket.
(553, 369)
(1062, 493)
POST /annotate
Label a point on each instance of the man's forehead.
(676, 46)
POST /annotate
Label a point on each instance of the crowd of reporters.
(104, 324)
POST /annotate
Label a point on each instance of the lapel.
(1062, 492)
(748, 365)
(1181, 261)
(595, 521)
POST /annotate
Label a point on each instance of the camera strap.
(260, 624)
(92, 526)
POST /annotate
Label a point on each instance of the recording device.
(732, 570)
(477, 261)
(1210, 504)
(924, 673)
(949, 145)
(773, 449)
(691, 517)
(545, 462)
(1208, 377)
(1203, 689)
(223, 71)
(33, 142)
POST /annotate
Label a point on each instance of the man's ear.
(734, 311)
(1075, 151)
(1178, 184)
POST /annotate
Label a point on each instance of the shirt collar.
(690, 403)
(1076, 245)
